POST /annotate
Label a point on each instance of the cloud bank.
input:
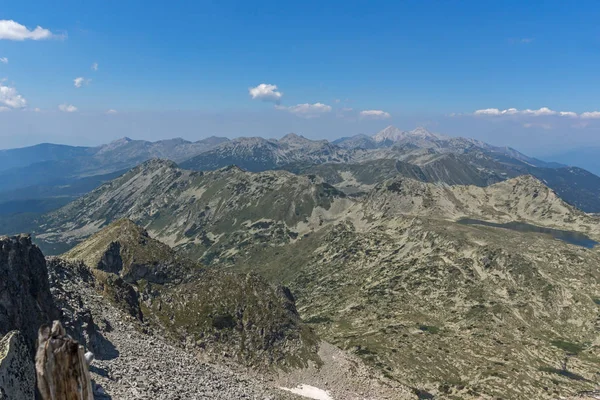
(307, 110)
(544, 111)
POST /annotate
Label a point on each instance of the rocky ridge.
(258, 154)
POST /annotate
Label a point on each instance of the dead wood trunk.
(62, 371)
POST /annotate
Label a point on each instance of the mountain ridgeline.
(48, 176)
(308, 254)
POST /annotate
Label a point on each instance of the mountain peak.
(389, 133)
(125, 248)
(395, 134)
(123, 140)
(294, 139)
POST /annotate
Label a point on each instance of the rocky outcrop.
(17, 372)
(217, 313)
(25, 299)
(126, 250)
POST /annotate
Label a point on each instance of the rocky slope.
(212, 311)
(455, 311)
(523, 198)
(209, 215)
(133, 360)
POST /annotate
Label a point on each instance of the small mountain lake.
(576, 238)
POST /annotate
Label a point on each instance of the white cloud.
(95, 66)
(568, 114)
(111, 111)
(541, 111)
(3, 109)
(377, 114)
(37, 109)
(496, 111)
(67, 108)
(3, 60)
(80, 81)
(544, 111)
(591, 114)
(266, 92)
(536, 125)
(307, 110)
(11, 30)
(9, 97)
(488, 111)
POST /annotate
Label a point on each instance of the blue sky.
(184, 68)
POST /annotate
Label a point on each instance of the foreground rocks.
(136, 358)
(134, 362)
(25, 299)
(17, 372)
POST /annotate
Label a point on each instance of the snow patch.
(310, 391)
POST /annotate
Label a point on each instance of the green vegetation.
(562, 372)
(429, 329)
(569, 347)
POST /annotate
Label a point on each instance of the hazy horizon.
(25, 128)
(95, 73)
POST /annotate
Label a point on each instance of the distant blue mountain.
(586, 158)
(16, 158)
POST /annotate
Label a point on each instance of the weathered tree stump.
(61, 367)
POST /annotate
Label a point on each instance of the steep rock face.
(25, 299)
(17, 372)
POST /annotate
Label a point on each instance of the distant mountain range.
(48, 175)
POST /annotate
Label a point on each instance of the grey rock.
(17, 371)
(25, 299)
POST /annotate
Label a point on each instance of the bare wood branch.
(61, 367)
